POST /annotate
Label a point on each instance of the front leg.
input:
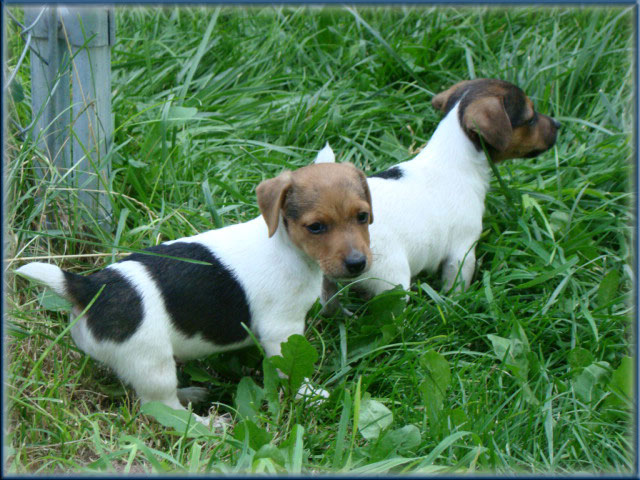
(273, 346)
(329, 297)
(330, 300)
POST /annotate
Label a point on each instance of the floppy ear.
(325, 155)
(439, 102)
(488, 118)
(271, 195)
(367, 192)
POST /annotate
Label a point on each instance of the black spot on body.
(116, 313)
(393, 173)
(205, 299)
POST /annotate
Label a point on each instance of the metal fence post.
(75, 127)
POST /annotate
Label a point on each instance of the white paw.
(313, 395)
(214, 421)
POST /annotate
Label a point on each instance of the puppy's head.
(502, 115)
(326, 211)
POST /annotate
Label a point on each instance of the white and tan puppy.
(155, 307)
(429, 210)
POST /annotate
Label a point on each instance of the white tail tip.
(325, 155)
(50, 275)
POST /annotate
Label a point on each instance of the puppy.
(190, 297)
(429, 210)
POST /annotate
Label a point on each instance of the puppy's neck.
(451, 147)
(281, 236)
(451, 153)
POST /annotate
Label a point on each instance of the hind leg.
(154, 379)
(160, 384)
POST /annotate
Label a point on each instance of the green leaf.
(501, 346)
(559, 220)
(586, 384)
(272, 452)
(179, 114)
(296, 360)
(249, 398)
(54, 302)
(255, 436)
(384, 308)
(195, 458)
(293, 449)
(272, 382)
(517, 332)
(181, 420)
(512, 352)
(457, 418)
(374, 417)
(608, 288)
(579, 358)
(384, 313)
(621, 385)
(197, 373)
(401, 440)
(136, 163)
(437, 379)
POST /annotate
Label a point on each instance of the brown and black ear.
(439, 102)
(367, 193)
(271, 195)
(487, 117)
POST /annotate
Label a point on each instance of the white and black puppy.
(155, 307)
(429, 210)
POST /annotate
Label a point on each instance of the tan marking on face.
(487, 117)
(335, 196)
(530, 141)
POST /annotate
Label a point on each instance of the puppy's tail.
(50, 275)
(80, 290)
(325, 155)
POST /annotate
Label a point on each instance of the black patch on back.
(393, 173)
(205, 299)
(116, 313)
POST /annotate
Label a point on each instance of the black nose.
(556, 123)
(355, 262)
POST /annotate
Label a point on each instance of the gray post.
(75, 126)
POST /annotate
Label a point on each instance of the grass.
(526, 371)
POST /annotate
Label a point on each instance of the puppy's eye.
(532, 121)
(362, 217)
(317, 228)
